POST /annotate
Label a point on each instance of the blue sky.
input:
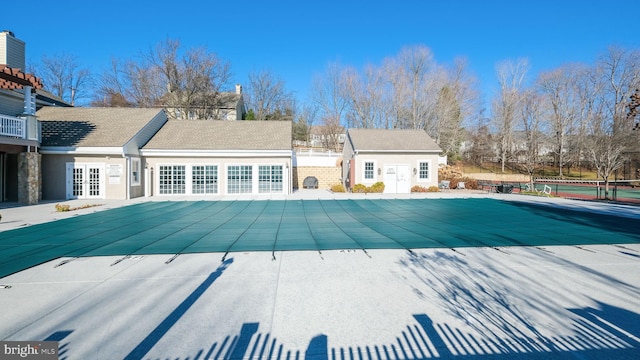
(297, 39)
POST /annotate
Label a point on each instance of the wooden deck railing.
(12, 126)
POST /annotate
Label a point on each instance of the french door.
(85, 181)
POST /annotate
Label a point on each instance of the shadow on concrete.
(495, 324)
(598, 335)
(152, 339)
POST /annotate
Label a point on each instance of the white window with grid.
(135, 171)
(240, 179)
(204, 179)
(369, 171)
(424, 170)
(172, 179)
(270, 179)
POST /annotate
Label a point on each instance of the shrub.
(433, 188)
(470, 183)
(359, 188)
(65, 208)
(62, 208)
(338, 188)
(448, 172)
(455, 175)
(376, 188)
(418, 189)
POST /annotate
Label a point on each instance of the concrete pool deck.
(558, 302)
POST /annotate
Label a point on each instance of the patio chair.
(460, 186)
(444, 185)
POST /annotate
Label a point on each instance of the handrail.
(12, 126)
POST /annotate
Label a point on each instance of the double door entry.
(85, 181)
(397, 179)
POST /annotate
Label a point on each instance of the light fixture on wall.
(415, 171)
(379, 171)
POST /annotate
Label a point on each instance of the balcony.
(17, 128)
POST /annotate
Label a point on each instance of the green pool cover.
(279, 225)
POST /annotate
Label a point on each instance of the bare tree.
(187, 84)
(559, 88)
(367, 105)
(330, 132)
(415, 80)
(634, 109)
(305, 120)
(194, 81)
(129, 84)
(532, 115)
(328, 93)
(63, 77)
(455, 104)
(511, 77)
(618, 71)
(267, 96)
(480, 142)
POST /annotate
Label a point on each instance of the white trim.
(217, 153)
(88, 150)
(425, 152)
(430, 174)
(188, 178)
(217, 180)
(254, 179)
(284, 177)
(375, 171)
(69, 166)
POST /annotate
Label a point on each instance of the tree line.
(572, 113)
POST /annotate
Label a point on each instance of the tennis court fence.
(620, 190)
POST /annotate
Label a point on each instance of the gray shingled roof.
(229, 100)
(99, 127)
(390, 140)
(222, 135)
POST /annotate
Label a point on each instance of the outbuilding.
(400, 159)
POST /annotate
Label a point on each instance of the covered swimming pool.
(178, 227)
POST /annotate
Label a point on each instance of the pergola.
(11, 79)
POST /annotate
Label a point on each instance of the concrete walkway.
(556, 302)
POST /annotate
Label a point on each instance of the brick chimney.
(238, 89)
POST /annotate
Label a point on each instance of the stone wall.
(29, 178)
(327, 176)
